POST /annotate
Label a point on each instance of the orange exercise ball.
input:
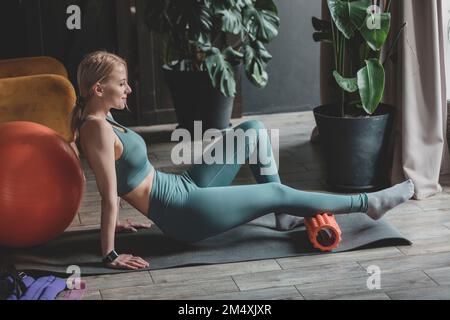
(41, 184)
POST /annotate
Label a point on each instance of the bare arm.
(99, 151)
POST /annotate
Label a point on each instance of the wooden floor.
(420, 271)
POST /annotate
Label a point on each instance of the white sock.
(382, 201)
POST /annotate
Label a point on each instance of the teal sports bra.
(133, 166)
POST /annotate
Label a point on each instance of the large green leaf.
(341, 17)
(231, 20)
(348, 16)
(348, 84)
(232, 56)
(374, 36)
(371, 80)
(323, 30)
(261, 52)
(321, 25)
(268, 5)
(238, 3)
(261, 21)
(202, 41)
(205, 17)
(323, 36)
(195, 18)
(221, 72)
(358, 12)
(256, 57)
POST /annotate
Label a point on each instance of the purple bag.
(44, 288)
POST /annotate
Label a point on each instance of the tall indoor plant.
(205, 44)
(355, 131)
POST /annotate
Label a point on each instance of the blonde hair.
(96, 67)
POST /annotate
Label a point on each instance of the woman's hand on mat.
(128, 261)
(130, 226)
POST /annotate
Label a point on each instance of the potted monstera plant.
(206, 45)
(355, 131)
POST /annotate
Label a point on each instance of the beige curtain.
(415, 84)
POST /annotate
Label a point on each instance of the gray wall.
(294, 70)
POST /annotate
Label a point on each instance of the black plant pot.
(357, 149)
(195, 99)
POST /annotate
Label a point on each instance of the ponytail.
(76, 117)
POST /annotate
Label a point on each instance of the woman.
(198, 203)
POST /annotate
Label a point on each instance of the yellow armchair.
(45, 99)
(31, 66)
(37, 90)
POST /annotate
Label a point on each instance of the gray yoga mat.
(254, 241)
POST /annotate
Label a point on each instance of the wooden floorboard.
(213, 271)
(431, 293)
(277, 293)
(296, 276)
(420, 271)
(342, 288)
(175, 290)
(440, 275)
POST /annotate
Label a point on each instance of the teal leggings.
(200, 203)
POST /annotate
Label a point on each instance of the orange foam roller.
(323, 231)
